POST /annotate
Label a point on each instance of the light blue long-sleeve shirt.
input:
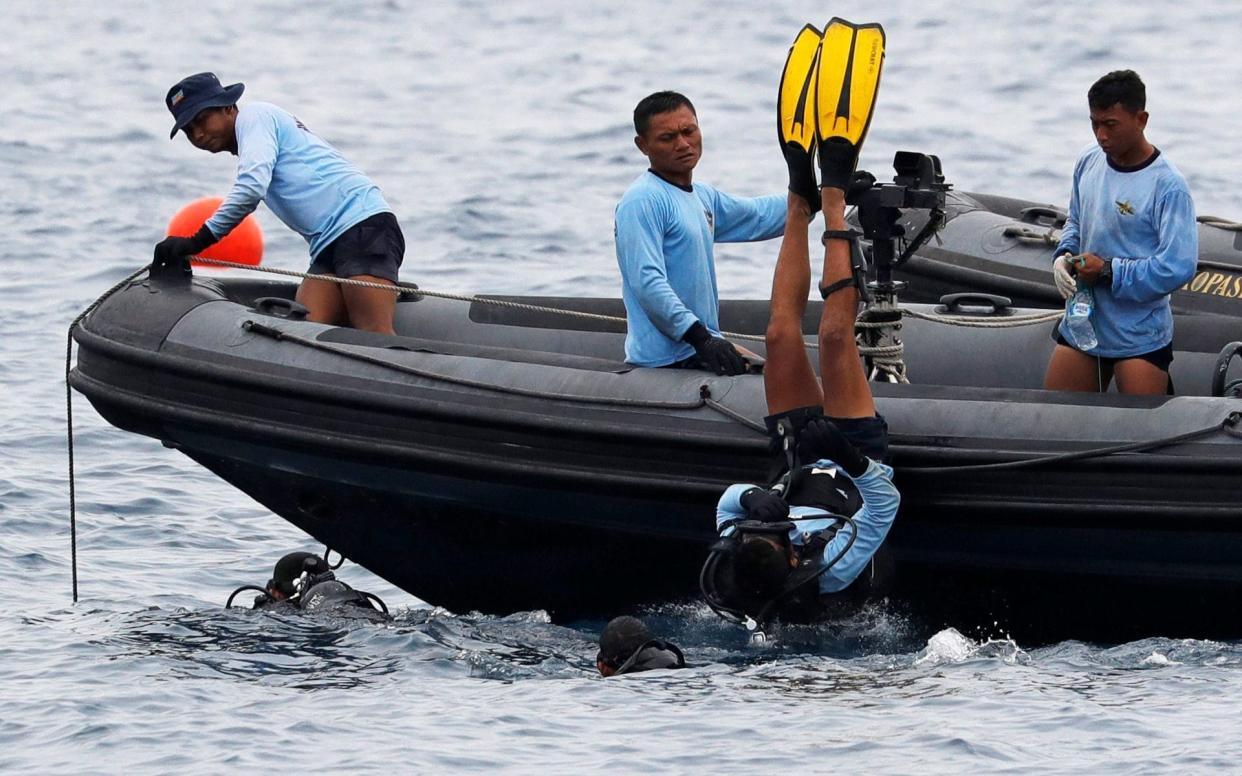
(873, 519)
(664, 237)
(1144, 220)
(303, 180)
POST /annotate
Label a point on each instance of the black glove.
(173, 248)
(860, 183)
(717, 354)
(820, 438)
(764, 506)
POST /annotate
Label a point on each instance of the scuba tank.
(304, 581)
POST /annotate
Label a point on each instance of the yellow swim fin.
(850, 61)
(796, 99)
(795, 114)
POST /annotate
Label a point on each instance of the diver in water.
(304, 581)
(626, 647)
(797, 548)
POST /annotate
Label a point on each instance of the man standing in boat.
(351, 230)
(808, 542)
(1131, 238)
(665, 229)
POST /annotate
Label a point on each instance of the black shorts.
(373, 246)
(869, 435)
(1161, 358)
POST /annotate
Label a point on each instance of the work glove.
(716, 353)
(820, 438)
(173, 248)
(764, 506)
(1066, 283)
(860, 183)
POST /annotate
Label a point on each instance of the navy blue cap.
(196, 93)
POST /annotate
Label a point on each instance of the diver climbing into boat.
(627, 647)
(304, 581)
(790, 550)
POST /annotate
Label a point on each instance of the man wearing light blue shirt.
(666, 226)
(349, 227)
(1131, 237)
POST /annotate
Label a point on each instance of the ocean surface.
(500, 134)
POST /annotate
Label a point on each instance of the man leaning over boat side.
(1131, 237)
(666, 226)
(833, 440)
(315, 191)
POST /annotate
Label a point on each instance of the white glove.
(1066, 283)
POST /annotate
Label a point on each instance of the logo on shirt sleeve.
(1124, 208)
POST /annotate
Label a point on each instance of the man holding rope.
(315, 191)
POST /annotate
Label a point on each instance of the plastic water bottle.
(1078, 319)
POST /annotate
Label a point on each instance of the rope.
(705, 397)
(1220, 223)
(413, 289)
(1229, 426)
(732, 413)
(73, 495)
(1024, 234)
(277, 334)
(1032, 319)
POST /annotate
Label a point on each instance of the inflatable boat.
(1001, 245)
(497, 455)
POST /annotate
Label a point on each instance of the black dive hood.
(716, 576)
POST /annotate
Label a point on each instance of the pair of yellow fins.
(827, 94)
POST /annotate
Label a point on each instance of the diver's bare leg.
(788, 378)
(847, 394)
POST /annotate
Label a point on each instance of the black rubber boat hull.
(484, 500)
(1003, 246)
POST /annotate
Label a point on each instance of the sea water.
(501, 134)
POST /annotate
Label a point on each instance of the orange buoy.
(243, 245)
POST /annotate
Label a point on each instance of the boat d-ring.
(280, 307)
(983, 304)
(1041, 215)
(1233, 388)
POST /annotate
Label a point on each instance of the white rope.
(949, 320)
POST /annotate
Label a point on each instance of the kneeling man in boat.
(804, 547)
(666, 225)
(306, 182)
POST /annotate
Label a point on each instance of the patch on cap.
(176, 98)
